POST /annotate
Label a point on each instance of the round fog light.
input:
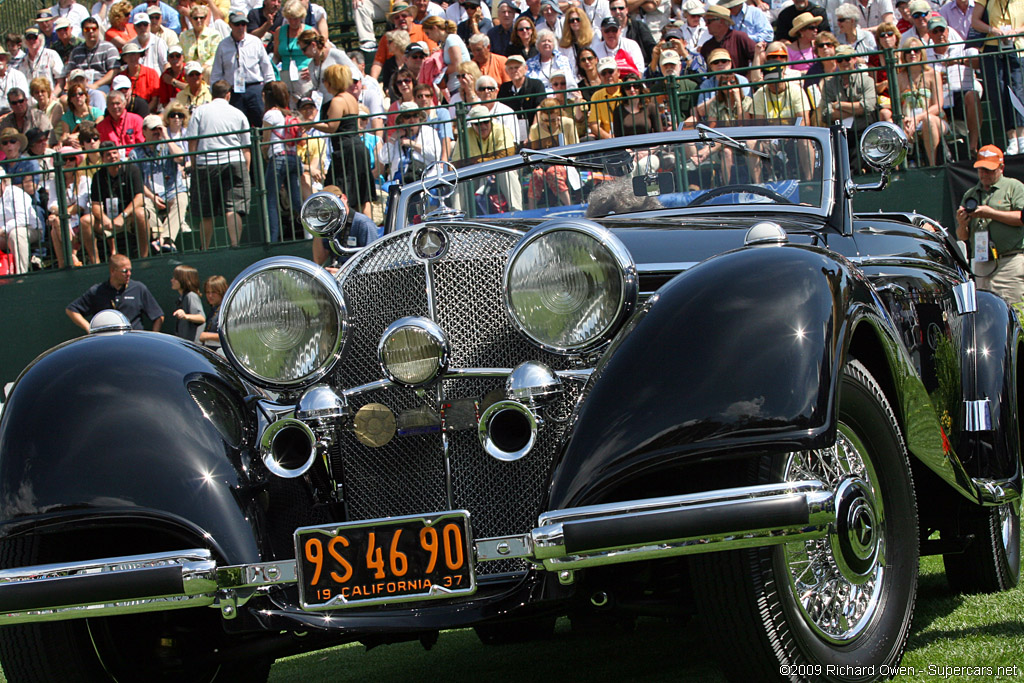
(413, 351)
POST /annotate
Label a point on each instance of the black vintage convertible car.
(648, 376)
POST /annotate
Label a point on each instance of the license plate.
(385, 561)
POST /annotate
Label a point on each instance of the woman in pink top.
(804, 31)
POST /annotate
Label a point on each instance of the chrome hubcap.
(835, 581)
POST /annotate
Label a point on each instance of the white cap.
(192, 67)
(152, 121)
(121, 82)
(606, 63)
(695, 7)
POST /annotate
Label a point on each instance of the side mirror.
(883, 147)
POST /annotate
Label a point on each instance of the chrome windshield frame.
(822, 136)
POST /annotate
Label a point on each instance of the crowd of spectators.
(158, 102)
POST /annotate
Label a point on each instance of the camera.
(970, 204)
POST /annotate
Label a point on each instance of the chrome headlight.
(283, 322)
(569, 285)
(883, 146)
(323, 214)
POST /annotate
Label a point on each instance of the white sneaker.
(1013, 146)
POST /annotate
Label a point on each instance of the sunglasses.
(415, 55)
(721, 61)
(886, 34)
(32, 37)
(630, 86)
(14, 102)
(89, 139)
(176, 115)
(404, 81)
(610, 29)
(824, 45)
(524, 29)
(574, 20)
(588, 59)
(486, 88)
(919, 15)
(78, 94)
(126, 270)
(937, 30)
(8, 142)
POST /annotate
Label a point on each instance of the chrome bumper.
(565, 540)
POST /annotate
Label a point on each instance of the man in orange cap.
(989, 217)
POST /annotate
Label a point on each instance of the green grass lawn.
(949, 630)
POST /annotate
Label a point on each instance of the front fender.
(736, 354)
(106, 427)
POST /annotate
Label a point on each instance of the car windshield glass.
(618, 179)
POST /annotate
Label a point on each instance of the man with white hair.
(611, 41)
(490, 64)
(487, 92)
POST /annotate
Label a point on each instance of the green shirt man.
(994, 228)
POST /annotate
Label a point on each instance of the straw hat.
(801, 22)
(14, 134)
(717, 12)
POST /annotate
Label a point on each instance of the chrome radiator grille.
(407, 475)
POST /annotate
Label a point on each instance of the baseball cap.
(174, 50)
(77, 73)
(606, 63)
(307, 102)
(920, 6)
(193, 67)
(471, 3)
(479, 111)
(238, 17)
(518, 59)
(990, 157)
(553, 4)
(777, 51)
(719, 53)
(418, 46)
(121, 82)
(408, 106)
(140, 18)
(609, 22)
(669, 57)
(132, 49)
(61, 23)
(672, 32)
(31, 31)
(695, 7)
(154, 10)
(44, 15)
(152, 122)
(844, 50)
(937, 22)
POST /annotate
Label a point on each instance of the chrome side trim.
(977, 416)
(997, 491)
(966, 295)
(581, 375)
(674, 267)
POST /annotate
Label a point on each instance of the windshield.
(713, 172)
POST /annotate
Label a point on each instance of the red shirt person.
(119, 125)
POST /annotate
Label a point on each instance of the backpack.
(292, 131)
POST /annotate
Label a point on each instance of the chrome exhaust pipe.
(507, 430)
(288, 448)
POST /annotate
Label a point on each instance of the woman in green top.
(289, 52)
(79, 109)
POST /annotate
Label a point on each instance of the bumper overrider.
(565, 540)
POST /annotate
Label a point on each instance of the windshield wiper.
(545, 157)
(706, 131)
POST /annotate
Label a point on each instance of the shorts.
(220, 189)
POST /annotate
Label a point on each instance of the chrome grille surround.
(462, 292)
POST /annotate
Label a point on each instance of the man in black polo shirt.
(116, 194)
(120, 292)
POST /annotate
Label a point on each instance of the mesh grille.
(407, 475)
